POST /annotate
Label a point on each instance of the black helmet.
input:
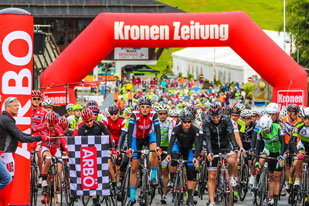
(113, 108)
(191, 109)
(292, 108)
(214, 110)
(186, 115)
(144, 101)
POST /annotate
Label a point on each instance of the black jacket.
(219, 136)
(10, 134)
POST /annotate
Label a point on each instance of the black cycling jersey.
(248, 135)
(185, 139)
(219, 136)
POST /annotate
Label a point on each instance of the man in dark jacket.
(10, 135)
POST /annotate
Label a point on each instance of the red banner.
(16, 63)
(286, 97)
(58, 97)
(89, 174)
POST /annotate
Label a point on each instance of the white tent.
(221, 61)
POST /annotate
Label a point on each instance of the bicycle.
(33, 180)
(262, 192)
(243, 177)
(224, 188)
(125, 185)
(66, 181)
(203, 177)
(54, 188)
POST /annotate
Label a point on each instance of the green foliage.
(180, 74)
(189, 75)
(298, 26)
(248, 88)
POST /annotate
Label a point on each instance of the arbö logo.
(89, 172)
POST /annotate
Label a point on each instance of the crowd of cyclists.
(183, 124)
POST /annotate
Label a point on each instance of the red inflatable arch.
(233, 29)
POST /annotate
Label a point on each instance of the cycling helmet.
(86, 113)
(199, 116)
(186, 115)
(177, 113)
(69, 107)
(135, 107)
(301, 108)
(155, 107)
(305, 112)
(255, 112)
(163, 107)
(263, 112)
(265, 123)
(227, 110)
(64, 122)
(272, 108)
(106, 113)
(77, 106)
(292, 108)
(94, 109)
(282, 113)
(92, 103)
(246, 113)
(238, 108)
(113, 108)
(52, 118)
(36, 93)
(127, 111)
(214, 110)
(192, 109)
(48, 102)
(144, 101)
(172, 113)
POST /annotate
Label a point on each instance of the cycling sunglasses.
(36, 99)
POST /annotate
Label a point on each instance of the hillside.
(268, 14)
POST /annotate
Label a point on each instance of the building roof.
(86, 8)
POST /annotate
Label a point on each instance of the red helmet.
(36, 93)
(63, 122)
(86, 114)
(52, 118)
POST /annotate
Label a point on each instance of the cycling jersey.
(73, 122)
(141, 127)
(38, 116)
(52, 144)
(185, 139)
(241, 126)
(248, 135)
(219, 136)
(300, 137)
(199, 125)
(288, 127)
(115, 127)
(166, 128)
(273, 141)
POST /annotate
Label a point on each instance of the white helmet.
(283, 113)
(240, 106)
(265, 123)
(272, 108)
(246, 113)
(48, 102)
(305, 112)
(163, 107)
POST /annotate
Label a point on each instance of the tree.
(298, 26)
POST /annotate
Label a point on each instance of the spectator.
(163, 85)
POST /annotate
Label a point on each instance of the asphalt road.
(248, 201)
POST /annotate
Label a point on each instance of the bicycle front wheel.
(177, 190)
(66, 185)
(33, 186)
(304, 187)
(261, 190)
(56, 191)
(228, 192)
(244, 178)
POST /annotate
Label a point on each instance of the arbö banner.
(286, 97)
(16, 63)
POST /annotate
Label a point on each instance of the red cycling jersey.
(143, 125)
(38, 116)
(115, 127)
(53, 143)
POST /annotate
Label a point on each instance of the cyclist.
(219, 135)
(92, 103)
(64, 124)
(142, 125)
(38, 113)
(69, 109)
(48, 105)
(300, 143)
(183, 137)
(91, 127)
(51, 148)
(166, 126)
(96, 113)
(271, 135)
(247, 139)
(75, 119)
(289, 122)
